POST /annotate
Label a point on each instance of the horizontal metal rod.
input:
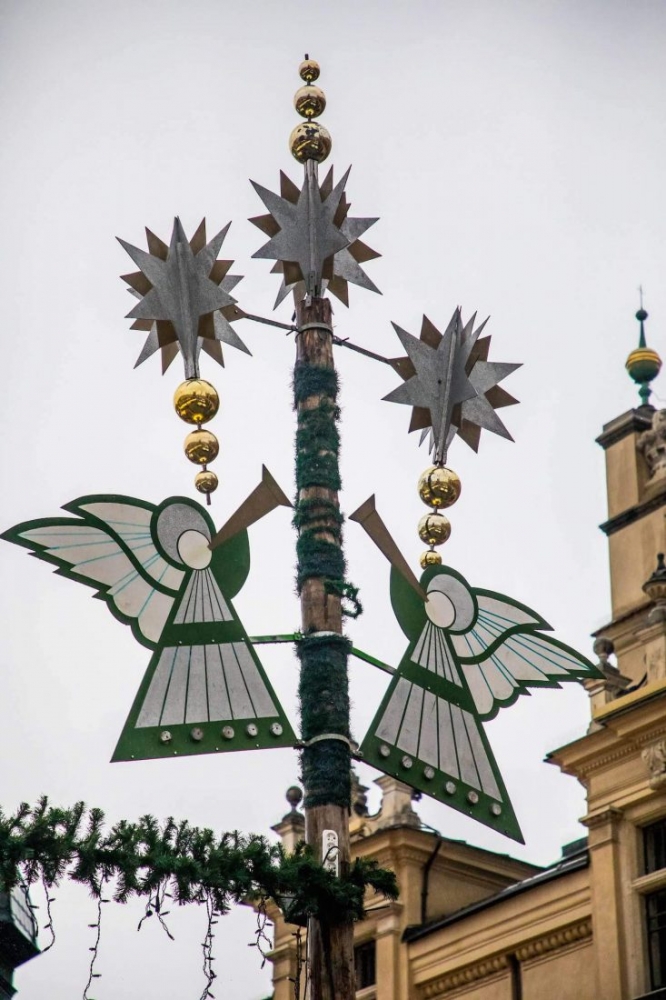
(361, 350)
(291, 328)
(257, 640)
(373, 660)
(269, 322)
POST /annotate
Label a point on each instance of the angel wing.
(503, 655)
(109, 546)
(471, 652)
(157, 570)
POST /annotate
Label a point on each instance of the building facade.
(473, 924)
(18, 937)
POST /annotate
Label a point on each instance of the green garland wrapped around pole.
(323, 688)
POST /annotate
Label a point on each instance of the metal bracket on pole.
(314, 326)
(353, 747)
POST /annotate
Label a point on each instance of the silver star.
(315, 244)
(344, 266)
(184, 297)
(440, 381)
(470, 412)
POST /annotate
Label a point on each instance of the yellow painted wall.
(496, 988)
(568, 974)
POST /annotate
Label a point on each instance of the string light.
(95, 947)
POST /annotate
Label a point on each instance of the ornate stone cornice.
(462, 977)
(406, 853)
(635, 513)
(631, 422)
(608, 816)
(628, 749)
(553, 942)
(563, 937)
(631, 746)
(583, 767)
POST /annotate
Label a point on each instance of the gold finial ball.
(196, 401)
(310, 102)
(309, 70)
(434, 529)
(310, 141)
(439, 486)
(206, 481)
(430, 558)
(643, 364)
(201, 447)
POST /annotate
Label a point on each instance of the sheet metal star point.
(296, 221)
(450, 384)
(184, 297)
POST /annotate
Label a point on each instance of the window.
(654, 841)
(654, 853)
(656, 926)
(365, 964)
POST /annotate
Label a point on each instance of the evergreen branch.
(49, 844)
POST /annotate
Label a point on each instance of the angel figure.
(470, 653)
(163, 571)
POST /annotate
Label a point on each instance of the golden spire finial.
(310, 140)
(643, 364)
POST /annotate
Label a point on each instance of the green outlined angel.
(471, 652)
(163, 571)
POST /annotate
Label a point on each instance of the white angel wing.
(502, 655)
(109, 546)
(497, 617)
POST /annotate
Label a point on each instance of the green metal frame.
(230, 566)
(410, 612)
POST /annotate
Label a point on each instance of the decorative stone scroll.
(655, 761)
(652, 446)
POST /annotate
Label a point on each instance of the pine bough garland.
(323, 688)
(143, 859)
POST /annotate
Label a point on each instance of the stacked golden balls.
(310, 140)
(196, 402)
(439, 488)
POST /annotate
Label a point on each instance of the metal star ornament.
(185, 301)
(316, 245)
(450, 384)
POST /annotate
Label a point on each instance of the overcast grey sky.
(515, 154)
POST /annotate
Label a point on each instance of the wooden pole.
(330, 947)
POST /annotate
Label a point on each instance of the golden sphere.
(643, 364)
(430, 558)
(310, 101)
(206, 481)
(439, 486)
(310, 141)
(196, 401)
(201, 447)
(309, 70)
(434, 529)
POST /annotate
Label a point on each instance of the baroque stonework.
(655, 761)
(462, 977)
(553, 942)
(561, 938)
(652, 446)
